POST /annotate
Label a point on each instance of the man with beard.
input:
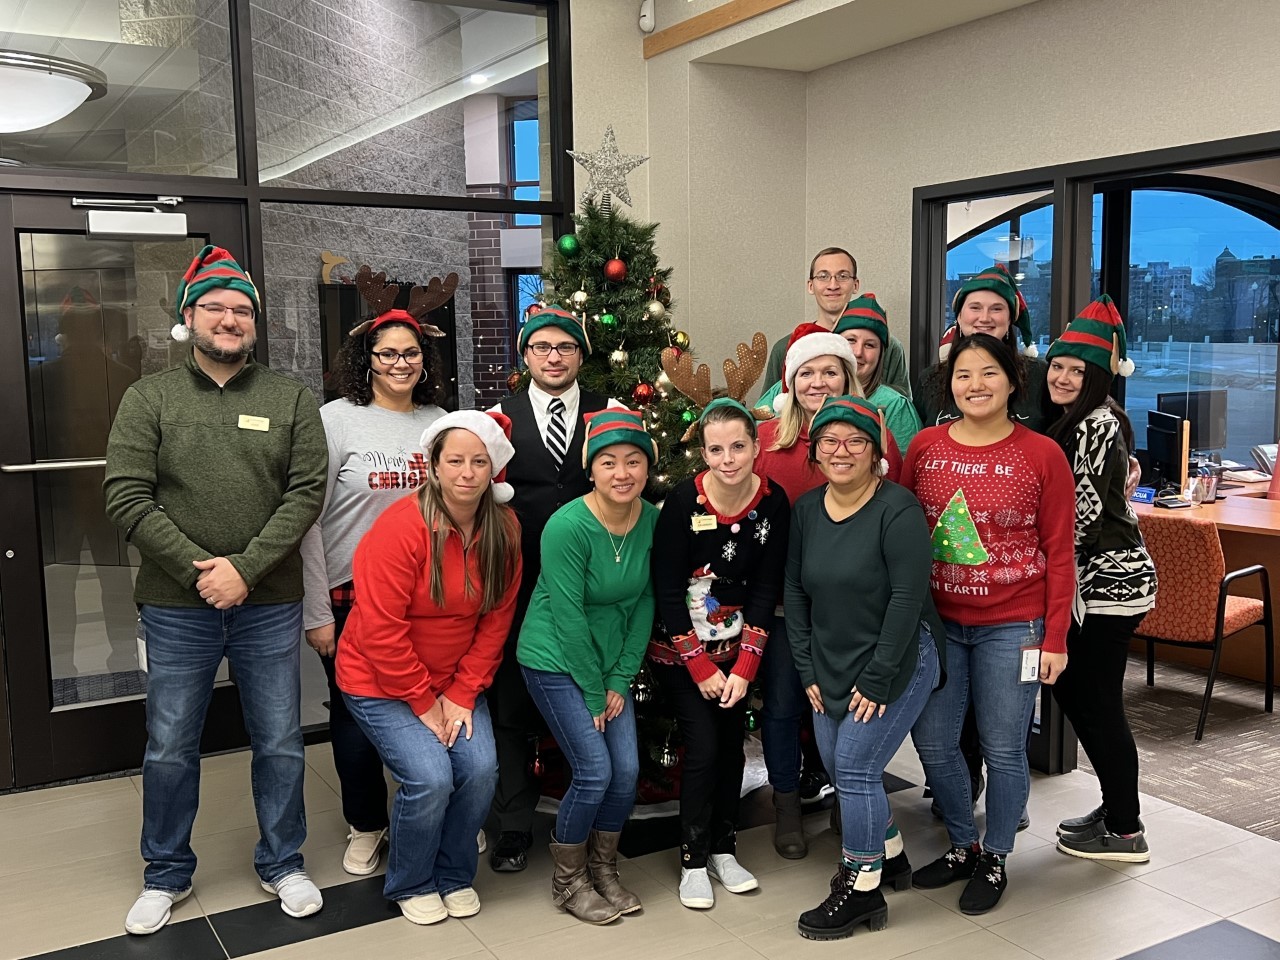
(215, 470)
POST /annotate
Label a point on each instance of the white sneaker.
(363, 851)
(423, 910)
(732, 875)
(299, 897)
(150, 911)
(482, 842)
(695, 889)
(462, 902)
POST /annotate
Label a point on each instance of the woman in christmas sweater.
(581, 644)
(436, 579)
(388, 374)
(1000, 499)
(862, 630)
(1117, 579)
(819, 364)
(719, 549)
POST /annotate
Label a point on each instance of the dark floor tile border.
(264, 926)
(1221, 939)
(188, 939)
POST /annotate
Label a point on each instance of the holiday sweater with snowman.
(717, 579)
(1003, 519)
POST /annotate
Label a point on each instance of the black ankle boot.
(986, 886)
(956, 864)
(844, 909)
(896, 872)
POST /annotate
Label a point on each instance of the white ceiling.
(853, 29)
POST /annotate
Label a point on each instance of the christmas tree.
(955, 538)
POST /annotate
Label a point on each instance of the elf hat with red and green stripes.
(213, 267)
(1096, 336)
(616, 425)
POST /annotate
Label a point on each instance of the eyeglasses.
(218, 309)
(544, 349)
(389, 357)
(844, 276)
(852, 444)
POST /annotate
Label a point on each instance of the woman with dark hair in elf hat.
(1000, 498)
(868, 645)
(819, 364)
(988, 303)
(435, 581)
(1116, 578)
(581, 644)
(718, 553)
(387, 372)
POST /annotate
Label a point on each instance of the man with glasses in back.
(546, 473)
(833, 282)
(215, 471)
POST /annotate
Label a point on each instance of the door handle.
(51, 466)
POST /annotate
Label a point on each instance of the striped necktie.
(557, 439)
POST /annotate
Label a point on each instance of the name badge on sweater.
(254, 423)
(703, 522)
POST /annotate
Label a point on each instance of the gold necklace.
(617, 548)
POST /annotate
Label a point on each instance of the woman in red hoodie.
(1001, 500)
(435, 580)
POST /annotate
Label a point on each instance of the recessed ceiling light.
(479, 78)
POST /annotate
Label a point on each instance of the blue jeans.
(856, 754)
(604, 766)
(983, 663)
(185, 645)
(443, 799)
(785, 707)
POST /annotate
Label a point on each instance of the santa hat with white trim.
(808, 342)
(494, 431)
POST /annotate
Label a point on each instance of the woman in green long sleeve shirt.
(581, 643)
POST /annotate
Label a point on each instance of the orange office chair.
(1193, 608)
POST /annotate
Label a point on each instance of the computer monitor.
(1164, 447)
(1207, 411)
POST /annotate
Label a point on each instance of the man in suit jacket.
(546, 473)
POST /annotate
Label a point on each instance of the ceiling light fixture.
(41, 89)
(478, 78)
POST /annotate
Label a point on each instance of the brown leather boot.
(571, 885)
(788, 830)
(602, 864)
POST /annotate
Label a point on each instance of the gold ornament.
(656, 310)
(681, 340)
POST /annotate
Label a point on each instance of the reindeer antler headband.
(381, 298)
(740, 376)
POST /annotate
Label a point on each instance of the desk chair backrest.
(1190, 567)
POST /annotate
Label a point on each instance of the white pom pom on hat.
(180, 332)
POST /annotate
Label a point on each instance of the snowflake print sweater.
(1003, 519)
(717, 583)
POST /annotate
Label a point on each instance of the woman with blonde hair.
(436, 579)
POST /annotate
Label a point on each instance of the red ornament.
(513, 381)
(615, 271)
(642, 394)
(533, 308)
(675, 352)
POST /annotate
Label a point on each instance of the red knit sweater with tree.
(1003, 518)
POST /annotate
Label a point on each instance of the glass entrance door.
(81, 318)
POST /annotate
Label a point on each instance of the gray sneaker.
(151, 910)
(695, 889)
(732, 875)
(1100, 844)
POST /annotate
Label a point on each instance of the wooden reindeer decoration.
(740, 375)
(381, 298)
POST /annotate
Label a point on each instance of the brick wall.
(491, 305)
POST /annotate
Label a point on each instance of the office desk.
(1249, 528)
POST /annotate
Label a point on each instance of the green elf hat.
(854, 411)
(213, 267)
(865, 313)
(554, 316)
(616, 425)
(1096, 336)
(999, 281)
(724, 402)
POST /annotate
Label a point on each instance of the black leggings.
(711, 784)
(1091, 694)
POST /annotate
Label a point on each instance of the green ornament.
(688, 416)
(568, 245)
(608, 319)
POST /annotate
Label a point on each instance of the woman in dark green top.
(862, 628)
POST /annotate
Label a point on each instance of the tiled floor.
(70, 870)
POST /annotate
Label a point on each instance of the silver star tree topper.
(608, 169)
